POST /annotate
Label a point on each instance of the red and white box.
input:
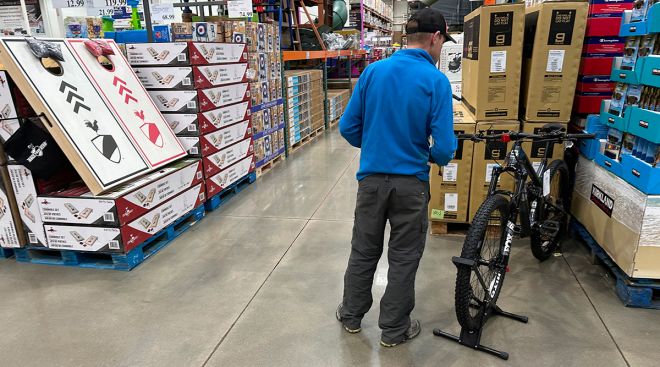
(25, 191)
(611, 8)
(165, 77)
(606, 26)
(596, 65)
(181, 101)
(226, 157)
(603, 46)
(8, 224)
(212, 98)
(213, 142)
(204, 53)
(123, 204)
(191, 145)
(183, 124)
(595, 84)
(127, 237)
(213, 120)
(215, 75)
(215, 184)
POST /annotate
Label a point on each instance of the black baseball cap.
(429, 21)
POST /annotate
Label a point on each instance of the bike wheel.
(552, 219)
(478, 286)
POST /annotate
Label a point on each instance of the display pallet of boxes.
(618, 200)
(336, 104)
(305, 117)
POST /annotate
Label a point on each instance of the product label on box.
(555, 61)
(219, 182)
(216, 119)
(213, 98)
(498, 61)
(561, 27)
(215, 75)
(602, 200)
(165, 77)
(183, 101)
(8, 125)
(157, 53)
(190, 144)
(451, 202)
(63, 237)
(450, 172)
(213, 142)
(202, 53)
(73, 210)
(26, 198)
(183, 124)
(8, 235)
(219, 161)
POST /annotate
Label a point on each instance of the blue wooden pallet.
(215, 201)
(114, 261)
(6, 253)
(633, 292)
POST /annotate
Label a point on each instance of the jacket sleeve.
(350, 124)
(442, 125)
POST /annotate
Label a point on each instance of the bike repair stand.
(472, 338)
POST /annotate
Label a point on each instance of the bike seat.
(552, 127)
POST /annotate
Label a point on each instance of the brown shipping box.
(554, 33)
(623, 220)
(536, 150)
(488, 155)
(492, 60)
(450, 184)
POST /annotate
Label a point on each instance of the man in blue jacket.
(397, 104)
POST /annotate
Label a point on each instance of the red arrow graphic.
(117, 80)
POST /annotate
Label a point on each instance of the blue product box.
(642, 175)
(645, 124)
(611, 120)
(650, 74)
(595, 126)
(162, 33)
(589, 147)
(609, 164)
(632, 76)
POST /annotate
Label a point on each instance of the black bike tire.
(536, 243)
(471, 249)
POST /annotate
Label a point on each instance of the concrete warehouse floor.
(257, 283)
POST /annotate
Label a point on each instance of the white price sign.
(108, 3)
(58, 4)
(99, 12)
(164, 13)
(239, 8)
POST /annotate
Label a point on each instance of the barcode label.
(181, 57)
(108, 217)
(199, 175)
(193, 150)
(192, 127)
(113, 245)
(451, 202)
(32, 238)
(186, 81)
(191, 104)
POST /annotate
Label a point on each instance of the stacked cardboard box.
(601, 45)
(451, 64)
(304, 101)
(336, 103)
(203, 90)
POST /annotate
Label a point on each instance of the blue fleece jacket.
(396, 105)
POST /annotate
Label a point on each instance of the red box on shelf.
(586, 103)
(605, 26)
(603, 46)
(210, 121)
(220, 161)
(217, 140)
(596, 65)
(220, 181)
(612, 8)
(216, 97)
(595, 84)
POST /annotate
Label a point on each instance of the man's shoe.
(414, 330)
(346, 327)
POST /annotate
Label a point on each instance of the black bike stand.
(472, 338)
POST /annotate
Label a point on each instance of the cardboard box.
(191, 145)
(619, 217)
(215, 75)
(595, 84)
(185, 53)
(586, 103)
(221, 160)
(217, 140)
(596, 65)
(213, 120)
(492, 61)
(181, 101)
(450, 58)
(488, 155)
(25, 191)
(220, 181)
(536, 150)
(165, 77)
(603, 26)
(609, 8)
(182, 31)
(207, 32)
(9, 237)
(603, 46)
(183, 124)
(212, 98)
(76, 205)
(554, 33)
(450, 185)
(127, 237)
(8, 126)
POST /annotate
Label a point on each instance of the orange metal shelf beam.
(310, 55)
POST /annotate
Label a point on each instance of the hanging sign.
(59, 4)
(239, 8)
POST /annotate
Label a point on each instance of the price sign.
(239, 8)
(99, 12)
(58, 4)
(108, 3)
(164, 14)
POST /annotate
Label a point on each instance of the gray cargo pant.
(402, 200)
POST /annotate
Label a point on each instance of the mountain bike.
(536, 208)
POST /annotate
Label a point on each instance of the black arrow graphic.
(69, 97)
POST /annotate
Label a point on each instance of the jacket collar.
(417, 53)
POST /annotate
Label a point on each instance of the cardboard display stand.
(107, 126)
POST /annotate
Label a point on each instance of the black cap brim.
(449, 38)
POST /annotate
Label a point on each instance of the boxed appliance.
(450, 58)
(217, 140)
(25, 192)
(212, 98)
(450, 185)
(623, 220)
(215, 75)
(213, 120)
(76, 205)
(185, 53)
(165, 77)
(554, 33)
(9, 235)
(219, 161)
(181, 101)
(191, 145)
(492, 61)
(222, 180)
(127, 237)
(183, 124)
(488, 155)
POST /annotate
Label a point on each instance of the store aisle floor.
(257, 283)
